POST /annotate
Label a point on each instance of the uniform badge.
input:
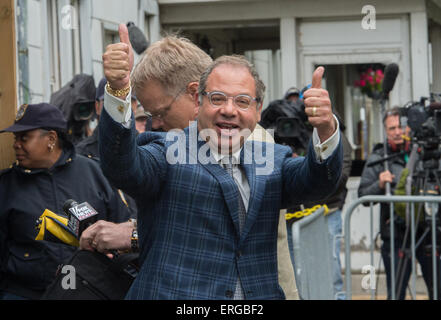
(21, 112)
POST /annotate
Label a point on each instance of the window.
(76, 44)
(110, 37)
(147, 22)
(110, 34)
(53, 46)
(64, 42)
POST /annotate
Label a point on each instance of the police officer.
(89, 146)
(47, 172)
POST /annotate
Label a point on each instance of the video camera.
(424, 119)
(289, 122)
(83, 111)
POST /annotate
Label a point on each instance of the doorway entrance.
(352, 89)
(258, 41)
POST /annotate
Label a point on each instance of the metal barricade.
(313, 257)
(391, 199)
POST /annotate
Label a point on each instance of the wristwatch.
(135, 222)
(134, 240)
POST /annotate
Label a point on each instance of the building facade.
(286, 40)
(58, 39)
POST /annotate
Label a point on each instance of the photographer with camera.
(76, 100)
(373, 182)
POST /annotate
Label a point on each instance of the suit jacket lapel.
(257, 187)
(227, 185)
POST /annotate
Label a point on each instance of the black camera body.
(290, 124)
(424, 118)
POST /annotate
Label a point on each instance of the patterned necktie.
(238, 293)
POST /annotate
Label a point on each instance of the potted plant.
(370, 82)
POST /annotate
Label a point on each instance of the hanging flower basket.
(370, 82)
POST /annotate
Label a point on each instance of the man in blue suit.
(208, 199)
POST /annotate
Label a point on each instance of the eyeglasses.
(219, 99)
(161, 114)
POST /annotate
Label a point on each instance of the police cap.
(34, 116)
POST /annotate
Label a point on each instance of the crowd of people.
(203, 230)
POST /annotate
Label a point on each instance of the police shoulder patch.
(21, 112)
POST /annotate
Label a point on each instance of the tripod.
(426, 177)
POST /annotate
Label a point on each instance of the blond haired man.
(165, 82)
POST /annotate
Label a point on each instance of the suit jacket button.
(229, 294)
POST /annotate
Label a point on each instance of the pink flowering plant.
(370, 82)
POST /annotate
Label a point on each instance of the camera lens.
(287, 127)
(83, 112)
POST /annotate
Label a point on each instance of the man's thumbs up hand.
(118, 61)
(317, 77)
(124, 34)
(318, 107)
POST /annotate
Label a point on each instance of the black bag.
(97, 277)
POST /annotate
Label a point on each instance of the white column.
(289, 52)
(86, 36)
(46, 76)
(65, 46)
(435, 36)
(419, 54)
(151, 7)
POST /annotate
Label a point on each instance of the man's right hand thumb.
(124, 34)
(124, 38)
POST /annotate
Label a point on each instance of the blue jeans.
(335, 230)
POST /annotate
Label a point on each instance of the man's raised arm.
(318, 175)
(129, 167)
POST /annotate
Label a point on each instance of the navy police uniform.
(28, 266)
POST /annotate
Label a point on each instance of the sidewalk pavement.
(358, 293)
